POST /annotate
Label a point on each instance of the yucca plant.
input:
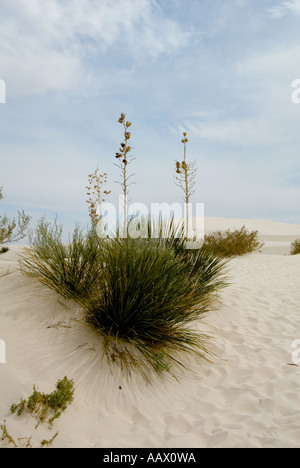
(146, 299)
(69, 268)
(144, 296)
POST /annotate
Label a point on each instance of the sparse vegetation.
(13, 230)
(232, 243)
(45, 408)
(295, 247)
(6, 436)
(4, 250)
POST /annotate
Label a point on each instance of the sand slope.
(248, 397)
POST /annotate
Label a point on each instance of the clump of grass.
(232, 243)
(4, 250)
(143, 295)
(43, 406)
(295, 247)
(147, 299)
(66, 267)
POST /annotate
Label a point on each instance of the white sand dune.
(248, 397)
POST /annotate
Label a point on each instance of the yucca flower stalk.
(123, 157)
(96, 194)
(185, 179)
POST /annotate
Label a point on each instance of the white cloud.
(48, 44)
(243, 132)
(285, 8)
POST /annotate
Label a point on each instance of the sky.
(222, 71)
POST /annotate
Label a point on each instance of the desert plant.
(295, 247)
(145, 300)
(124, 159)
(96, 194)
(13, 230)
(4, 250)
(66, 267)
(185, 179)
(6, 436)
(43, 406)
(46, 443)
(232, 243)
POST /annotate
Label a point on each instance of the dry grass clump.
(295, 247)
(232, 243)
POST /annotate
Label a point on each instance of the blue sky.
(220, 70)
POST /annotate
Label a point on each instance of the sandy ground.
(248, 397)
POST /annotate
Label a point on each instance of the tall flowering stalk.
(123, 157)
(96, 194)
(185, 179)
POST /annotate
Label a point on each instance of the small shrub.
(43, 405)
(295, 247)
(4, 250)
(232, 243)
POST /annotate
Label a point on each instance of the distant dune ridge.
(248, 397)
